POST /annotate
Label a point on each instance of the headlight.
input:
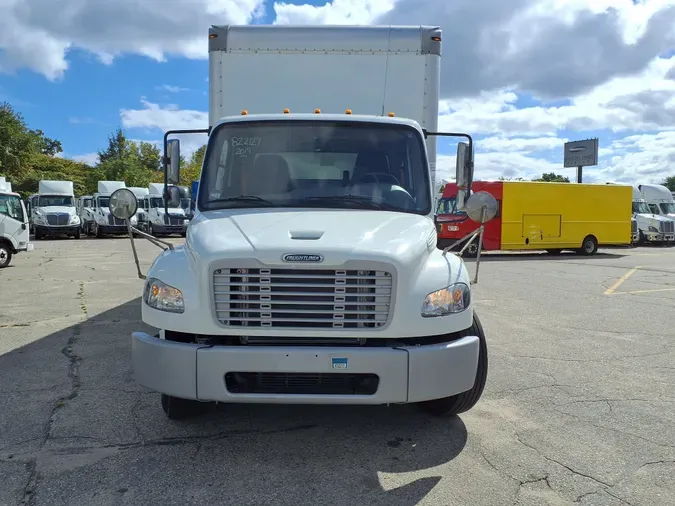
(453, 299)
(74, 220)
(163, 297)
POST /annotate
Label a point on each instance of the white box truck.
(310, 272)
(14, 230)
(53, 210)
(652, 227)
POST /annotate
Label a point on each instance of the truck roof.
(51, 187)
(106, 187)
(139, 191)
(354, 118)
(420, 39)
(655, 192)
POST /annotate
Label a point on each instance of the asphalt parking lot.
(579, 406)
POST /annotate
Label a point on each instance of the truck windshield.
(103, 201)
(667, 207)
(327, 164)
(641, 208)
(157, 202)
(448, 205)
(55, 200)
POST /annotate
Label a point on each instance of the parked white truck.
(104, 222)
(652, 228)
(14, 233)
(310, 272)
(156, 219)
(53, 210)
(659, 199)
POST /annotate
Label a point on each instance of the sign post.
(581, 154)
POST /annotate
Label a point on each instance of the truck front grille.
(173, 220)
(633, 226)
(301, 383)
(58, 219)
(114, 221)
(667, 227)
(302, 298)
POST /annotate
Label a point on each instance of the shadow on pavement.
(76, 429)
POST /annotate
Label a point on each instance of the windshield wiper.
(245, 198)
(357, 199)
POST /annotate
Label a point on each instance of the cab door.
(14, 221)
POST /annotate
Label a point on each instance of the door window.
(10, 205)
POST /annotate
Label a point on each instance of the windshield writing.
(55, 200)
(316, 164)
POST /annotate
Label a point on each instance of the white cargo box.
(110, 186)
(139, 191)
(47, 187)
(5, 186)
(156, 188)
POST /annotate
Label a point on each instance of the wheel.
(589, 246)
(464, 401)
(97, 231)
(78, 234)
(5, 255)
(151, 230)
(554, 251)
(181, 409)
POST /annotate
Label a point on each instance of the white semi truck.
(652, 228)
(52, 210)
(104, 222)
(659, 199)
(14, 230)
(310, 272)
(158, 219)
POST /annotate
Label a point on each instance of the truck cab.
(652, 228)
(85, 210)
(157, 221)
(140, 192)
(53, 210)
(104, 222)
(14, 232)
(659, 199)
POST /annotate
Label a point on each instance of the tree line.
(28, 156)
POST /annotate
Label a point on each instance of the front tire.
(181, 409)
(464, 401)
(5, 255)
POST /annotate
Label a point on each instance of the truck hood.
(653, 217)
(338, 235)
(57, 209)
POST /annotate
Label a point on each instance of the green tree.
(669, 183)
(190, 171)
(552, 177)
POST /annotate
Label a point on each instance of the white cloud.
(170, 88)
(37, 34)
(88, 158)
(339, 12)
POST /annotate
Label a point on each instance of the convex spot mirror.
(173, 196)
(481, 207)
(173, 155)
(123, 204)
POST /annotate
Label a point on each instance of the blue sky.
(618, 103)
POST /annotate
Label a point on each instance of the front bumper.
(112, 229)
(659, 237)
(57, 230)
(406, 374)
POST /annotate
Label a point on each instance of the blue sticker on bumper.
(339, 363)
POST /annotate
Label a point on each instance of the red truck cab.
(453, 224)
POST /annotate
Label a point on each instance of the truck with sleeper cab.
(310, 272)
(652, 227)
